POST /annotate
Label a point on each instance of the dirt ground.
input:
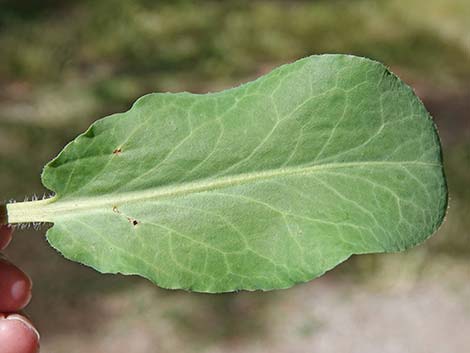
(386, 313)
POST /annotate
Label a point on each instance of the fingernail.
(24, 321)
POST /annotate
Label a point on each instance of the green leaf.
(258, 187)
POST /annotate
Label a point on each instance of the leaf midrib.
(50, 209)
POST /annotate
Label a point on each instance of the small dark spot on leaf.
(133, 221)
(115, 209)
(117, 151)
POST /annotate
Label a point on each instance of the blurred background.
(64, 64)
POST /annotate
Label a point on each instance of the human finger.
(5, 236)
(17, 335)
(15, 287)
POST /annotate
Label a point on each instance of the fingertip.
(15, 287)
(25, 321)
(17, 335)
(6, 232)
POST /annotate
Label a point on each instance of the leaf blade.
(258, 187)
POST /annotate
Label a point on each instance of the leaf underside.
(258, 187)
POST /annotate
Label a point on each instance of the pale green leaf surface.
(258, 187)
